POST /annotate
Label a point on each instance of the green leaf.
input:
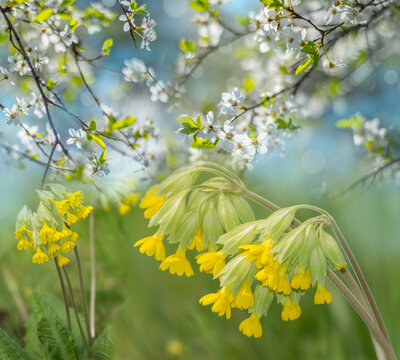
(353, 121)
(50, 84)
(187, 46)
(10, 350)
(304, 66)
(243, 20)
(128, 121)
(92, 125)
(43, 15)
(200, 5)
(73, 24)
(104, 344)
(282, 124)
(56, 336)
(106, 48)
(272, 4)
(98, 140)
(189, 126)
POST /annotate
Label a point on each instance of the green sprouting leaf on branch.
(107, 46)
(200, 5)
(189, 125)
(187, 46)
(43, 15)
(355, 120)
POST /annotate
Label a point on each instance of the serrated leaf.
(104, 344)
(56, 336)
(43, 15)
(10, 350)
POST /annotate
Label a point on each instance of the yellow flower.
(211, 262)
(73, 237)
(75, 198)
(52, 250)
(291, 310)
(124, 209)
(46, 234)
(24, 244)
(62, 260)
(197, 241)
(151, 202)
(67, 245)
(131, 199)
(340, 267)
(302, 279)
(23, 232)
(40, 257)
(65, 232)
(221, 300)
(259, 253)
(244, 299)
(251, 326)
(322, 295)
(71, 219)
(62, 206)
(274, 277)
(177, 264)
(83, 212)
(152, 245)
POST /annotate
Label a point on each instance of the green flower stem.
(353, 285)
(78, 320)
(83, 296)
(92, 306)
(68, 315)
(365, 316)
(230, 174)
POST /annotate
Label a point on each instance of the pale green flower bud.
(186, 230)
(24, 217)
(227, 213)
(331, 249)
(234, 272)
(318, 266)
(278, 222)
(240, 235)
(180, 180)
(58, 190)
(308, 244)
(243, 208)
(263, 298)
(173, 209)
(211, 226)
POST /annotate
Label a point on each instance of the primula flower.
(322, 295)
(251, 326)
(211, 262)
(259, 253)
(197, 242)
(152, 245)
(302, 279)
(177, 264)
(75, 198)
(62, 206)
(46, 234)
(221, 300)
(62, 260)
(291, 310)
(52, 250)
(151, 202)
(40, 257)
(244, 299)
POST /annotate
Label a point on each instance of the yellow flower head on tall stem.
(244, 299)
(177, 264)
(322, 295)
(251, 326)
(40, 257)
(83, 212)
(71, 219)
(221, 300)
(53, 249)
(197, 241)
(211, 262)
(302, 279)
(151, 202)
(152, 245)
(291, 310)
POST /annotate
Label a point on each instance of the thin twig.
(92, 307)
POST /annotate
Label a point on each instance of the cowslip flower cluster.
(47, 231)
(254, 261)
